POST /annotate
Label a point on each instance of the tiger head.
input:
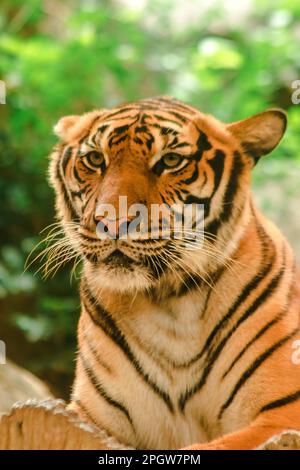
(156, 152)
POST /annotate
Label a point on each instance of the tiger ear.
(261, 133)
(63, 126)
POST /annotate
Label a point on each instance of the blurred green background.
(228, 58)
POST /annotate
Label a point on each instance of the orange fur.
(190, 348)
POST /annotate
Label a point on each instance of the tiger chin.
(181, 343)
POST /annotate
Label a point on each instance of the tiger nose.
(113, 228)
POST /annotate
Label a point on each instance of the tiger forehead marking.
(180, 342)
(136, 142)
(146, 134)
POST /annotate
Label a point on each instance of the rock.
(17, 384)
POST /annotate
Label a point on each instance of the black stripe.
(179, 194)
(180, 145)
(168, 102)
(66, 158)
(113, 140)
(273, 284)
(203, 145)
(119, 111)
(215, 277)
(252, 341)
(95, 354)
(122, 118)
(281, 402)
(139, 129)
(267, 326)
(159, 167)
(166, 119)
(177, 115)
(199, 280)
(91, 257)
(102, 128)
(205, 201)
(217, 164)
(174, 142)
(165, 130)
(107, 324)
(190, 282)
(266, 243)
(214, 354)
(76, 175)
(254, 366)
(85, 411)
(101, 390)
(89, 130)
(137, 140)
(156, 266)
(67, 198)
(120, 130)
(88, 197)
(78, 193)
(194, 176)
(120, 140)
(229, 195)
(265, 268)
(149, 141)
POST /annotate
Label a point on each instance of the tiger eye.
(94, 159)
(171, 160)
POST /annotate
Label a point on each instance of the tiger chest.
(167, 414)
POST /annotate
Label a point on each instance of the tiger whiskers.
(169, 265)
(58, 249)
(77, 262)
(208, 239)
(182, 265)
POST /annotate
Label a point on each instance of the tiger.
(182, 343)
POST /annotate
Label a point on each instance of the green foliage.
(74, 56)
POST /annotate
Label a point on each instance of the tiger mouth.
(118, 259)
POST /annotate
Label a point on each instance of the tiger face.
(152, 153)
